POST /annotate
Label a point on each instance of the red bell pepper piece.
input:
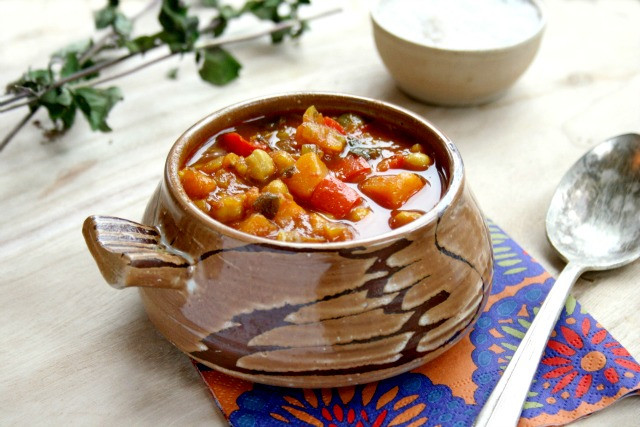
(334, 197)
(328, 121)
(394, 162)
(352, 168)
(235, 143)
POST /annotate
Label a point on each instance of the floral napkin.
(583, 369)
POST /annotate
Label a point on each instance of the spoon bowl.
(593, 218)
(594, 223)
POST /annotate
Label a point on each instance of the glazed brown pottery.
(294, 314)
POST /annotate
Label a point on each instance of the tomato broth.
(313, 178)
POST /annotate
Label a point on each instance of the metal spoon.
(594, 223)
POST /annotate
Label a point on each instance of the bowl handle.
(132, 254)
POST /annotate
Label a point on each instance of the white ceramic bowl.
(453, 76)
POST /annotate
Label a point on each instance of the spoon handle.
(504, 405)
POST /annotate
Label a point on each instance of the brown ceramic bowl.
(294, 314)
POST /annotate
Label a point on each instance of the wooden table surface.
(74, 350)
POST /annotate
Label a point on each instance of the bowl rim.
(478, 51)
(177, 154)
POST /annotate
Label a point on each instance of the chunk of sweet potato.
(392, 191)
(197, 184)
(228, 208)
(309, 171)
(258, 225)
(289, 212)
(400, 218)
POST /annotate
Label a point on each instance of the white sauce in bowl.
(460, 24)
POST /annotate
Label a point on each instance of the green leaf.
(265, 9)
(180, 31)
(40, 77)
(96, 104)
(362, 152)
(105, 16)
(60, 105)
(110, 16)
(278, 11)
(70, 66)
(33, 80)
(225, 14)
(122, 25)
(77, 48)
(218, 66)
(173, 73)
(278, 36)
(142, 43)
(61, 96)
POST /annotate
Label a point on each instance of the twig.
(96, 47)
(218, 42)
(16, 129)
(75, 76)
(85, 72)
(129, 71)
(100, 66)
(88, 71)
(257, 34)
(19, 105)
(24, 93)
(105, 39)
(14, 98)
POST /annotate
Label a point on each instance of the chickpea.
(417, 161)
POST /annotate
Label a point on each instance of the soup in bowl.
(306, 240)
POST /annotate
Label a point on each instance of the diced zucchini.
(350, 121)
(260, 165)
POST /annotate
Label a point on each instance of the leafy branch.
(68, 83)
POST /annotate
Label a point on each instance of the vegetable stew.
(313, 177)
